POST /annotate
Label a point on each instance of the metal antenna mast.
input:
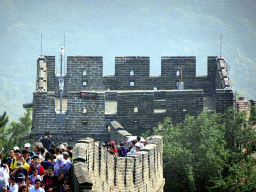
(220, 43)
(41, 45)
(64, 57)
(61, 80)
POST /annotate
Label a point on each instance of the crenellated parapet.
(138, 101)
(94, 165)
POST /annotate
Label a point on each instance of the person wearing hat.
(18, 170)
(27, 147)
(25, 165)
(20, 178)
(66, 156)
(135, 148)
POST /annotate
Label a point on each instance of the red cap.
(112, 142)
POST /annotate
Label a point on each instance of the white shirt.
(33, 189)
(14, 188)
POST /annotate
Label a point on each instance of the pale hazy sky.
(116, 28)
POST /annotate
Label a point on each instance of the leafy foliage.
(208, 153)
(10, 136)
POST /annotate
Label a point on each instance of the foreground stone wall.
(140, 172)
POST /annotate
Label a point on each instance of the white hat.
(62, 146)
(27, 145)
(137, 145)
(59, 157)
(16, 148)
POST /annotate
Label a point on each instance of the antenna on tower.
(61, 80)
(220, 43)
(41, 45)
(64, 57)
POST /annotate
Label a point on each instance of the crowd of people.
(47, 168)
(121, 151)
(41, 169)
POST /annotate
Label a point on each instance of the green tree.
(10, 136)
(3, 122)
(252, 118)
(208, 153)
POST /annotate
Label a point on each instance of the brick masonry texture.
(94, 165)
(138, 108)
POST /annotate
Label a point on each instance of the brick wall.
(152, 105)
(245, 106)
(72, 124)
(81, 69)
(50, 67)
(140, 172)
(224, 99)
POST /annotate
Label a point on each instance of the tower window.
(131, 73)
(135, 109)
(84, 73)
(154, 88)
(131, 83)
(177, 73)
(84, 83)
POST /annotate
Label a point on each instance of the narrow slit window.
(84, 73)
(131, 73)
(85, 123)
(135, 109)
(177, 73)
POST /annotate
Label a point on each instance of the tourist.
(25, 155)
(48, 161)
(61, 166)
(37, 165)
(24, 188)
(25, 165)
(4, 174)
(27, 147)
(28, 182)
(37, 187)
(47, 143)
(122, 151)
(34, 176)
(139, 141)
(12, 160)
(13, 187)
(68, 187)
(41, 154)
(4, 170)
(19, 169)
(61, 184)
(20, 178)
(50, 181)
(35, 150)
(135, 148)
(66, 156)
